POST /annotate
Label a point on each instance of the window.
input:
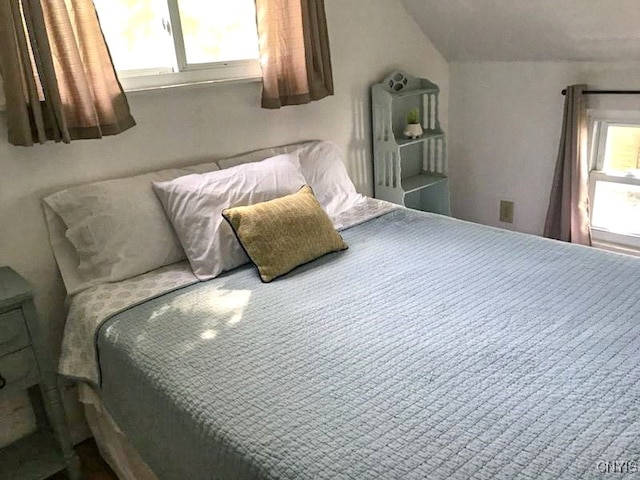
(614, 181)
(158, 43)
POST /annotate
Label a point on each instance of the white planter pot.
(413, 130)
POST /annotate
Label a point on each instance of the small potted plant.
(413, 128)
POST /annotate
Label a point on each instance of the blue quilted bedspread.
(432, 348)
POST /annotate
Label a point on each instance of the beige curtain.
(294, 49)
(568, 213)
(59, 81)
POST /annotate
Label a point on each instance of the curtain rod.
(607, 92)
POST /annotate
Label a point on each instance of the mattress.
(432, 348)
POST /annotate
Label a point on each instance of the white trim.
(599, 123)
(599, 129)
(599, 144)
(177, 35)
(604, 118)
(183, 73)
(239, 71)
(615, 247)
(599, 176)
(615, 116)
(143, 72)
(157, 79)
(604, 236)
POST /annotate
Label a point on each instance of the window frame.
(236, 71)
(599, 122)
(246, 70)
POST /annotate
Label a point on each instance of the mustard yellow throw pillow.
(283, 233)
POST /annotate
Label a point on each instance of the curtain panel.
(568, 212)
(294, 51)
(59, 81)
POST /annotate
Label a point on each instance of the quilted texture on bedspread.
(432, 348)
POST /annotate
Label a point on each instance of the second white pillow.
(194, 205)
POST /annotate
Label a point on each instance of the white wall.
(505, 121)
(181, 126)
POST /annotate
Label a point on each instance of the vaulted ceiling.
(531, 30)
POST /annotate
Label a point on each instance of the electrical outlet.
(506, 211)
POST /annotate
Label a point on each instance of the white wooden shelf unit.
(409, 171)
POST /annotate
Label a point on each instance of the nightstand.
(25, 363)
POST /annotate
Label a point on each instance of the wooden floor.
(93, 466)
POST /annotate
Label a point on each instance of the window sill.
(238, 72)
(612, 247)
(151, 83)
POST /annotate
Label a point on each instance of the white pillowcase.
(117, 228)
(194, 204)
(323, 168)
(131, 234)
(326, 174)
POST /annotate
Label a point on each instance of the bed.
(430, 348)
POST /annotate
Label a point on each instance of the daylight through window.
(180, 41)
(615, 183)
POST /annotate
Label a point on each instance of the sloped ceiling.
(531, 30)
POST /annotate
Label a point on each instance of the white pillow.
(194, 204)
(117, 228)
(320, 161)
(259, 155)
(64, 253)
(323, 168)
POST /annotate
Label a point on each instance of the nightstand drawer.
(13, 331)
(18, 370)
